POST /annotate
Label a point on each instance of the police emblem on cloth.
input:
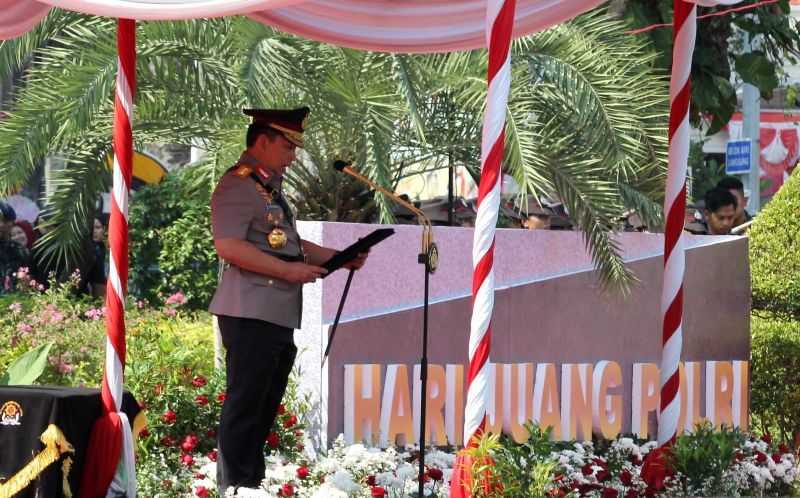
(10, 413)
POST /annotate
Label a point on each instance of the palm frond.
(70, 208)
(17, 52)
(402, 73)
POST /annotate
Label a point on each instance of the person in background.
(720, 212)
(96, 273)
(13, 256)
(735, 187)
(537, 219)
(7, 219)
(22, 234)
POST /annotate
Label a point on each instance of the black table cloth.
(44, 432)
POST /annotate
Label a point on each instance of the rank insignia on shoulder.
(243, 171)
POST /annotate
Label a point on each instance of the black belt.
(283, 257)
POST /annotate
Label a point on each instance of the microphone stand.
(429, 257)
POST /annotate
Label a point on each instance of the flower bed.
(748, 467)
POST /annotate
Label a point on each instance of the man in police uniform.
(258, 301)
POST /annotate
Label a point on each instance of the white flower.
(406, 471)
(326, 490)
(388, 480)
(344, 481)
(251, 493)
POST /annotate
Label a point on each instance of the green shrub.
(188, 261)
(704, 456)
(775, 252)
(170, 232)
(775, 378)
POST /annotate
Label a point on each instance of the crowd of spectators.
(18, 250)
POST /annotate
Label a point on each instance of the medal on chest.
(276, 238)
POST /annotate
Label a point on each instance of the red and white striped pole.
(683, 35)
(685, 27)
(499, 27)
(111, 443)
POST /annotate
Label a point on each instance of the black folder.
(351, 252)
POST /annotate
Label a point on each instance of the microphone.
(429, 250)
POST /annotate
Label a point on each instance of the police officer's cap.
(289, 122)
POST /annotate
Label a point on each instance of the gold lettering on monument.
(379, 409)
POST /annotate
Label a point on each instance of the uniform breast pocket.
(262, 281)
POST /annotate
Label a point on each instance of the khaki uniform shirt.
(240, 209)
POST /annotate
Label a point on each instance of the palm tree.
(586, 115)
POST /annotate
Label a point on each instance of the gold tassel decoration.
(55, 445)
(139, 423)
(66, 466)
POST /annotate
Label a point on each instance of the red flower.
(221, 396)
(201, 399)
(656, 468)
(272, 440)
(739, 456)
(298, 433)
(169, 417)
(168, 441)
(603, 475)
(211, 433)
(783, 448)
(187, 460)
(631, 493)
(212, 455)
(290, 422)
(189, 443)
(585, 489)
(760, 457)
(587, 469)
(199, 381)
(144, 432)
(776, 458)
(302, 472)
(435, 474)
(636, 460)
(286, 490)
(201, 492)
(281, 409)
(370, 480)
(626, 477)
(610, 493)
(767, 438)
(377, 492)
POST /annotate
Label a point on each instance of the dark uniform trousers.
(259, 357)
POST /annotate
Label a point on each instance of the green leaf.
(756, 69)
(27, 368)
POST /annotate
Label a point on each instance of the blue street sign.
(737, 157)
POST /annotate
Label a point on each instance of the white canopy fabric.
(410, 26)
